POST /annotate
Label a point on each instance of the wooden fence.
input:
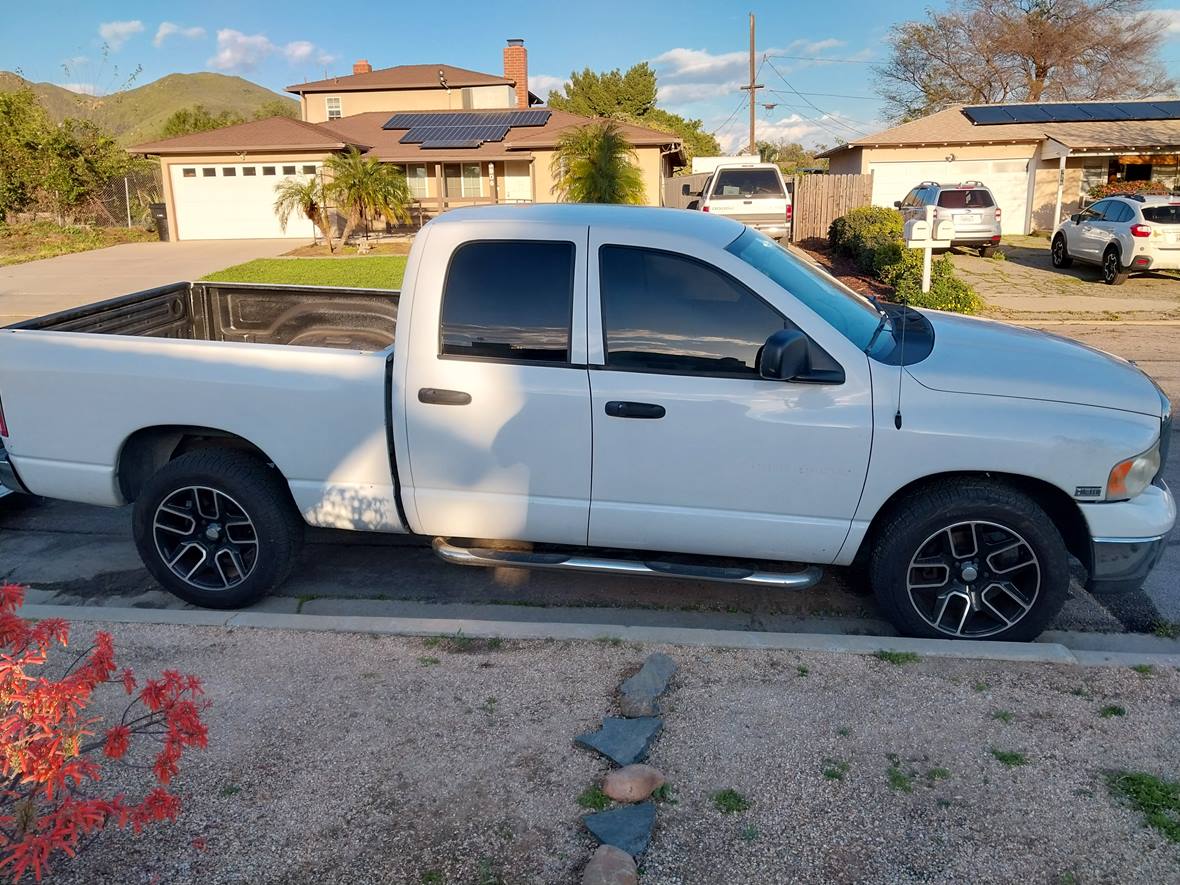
(820, 199)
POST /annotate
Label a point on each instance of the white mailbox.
(927, 234)
(917, 232)
(944, 231)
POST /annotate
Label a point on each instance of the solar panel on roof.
(512, 119)
(1071, 112)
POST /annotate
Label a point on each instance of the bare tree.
(982, 51)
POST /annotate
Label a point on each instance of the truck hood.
(985, 357)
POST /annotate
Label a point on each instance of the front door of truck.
(497, 400)
(693, 450)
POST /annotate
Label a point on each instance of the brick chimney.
(516, 69)
(360, 66)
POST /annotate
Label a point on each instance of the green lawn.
(381, 272)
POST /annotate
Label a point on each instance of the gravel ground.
(342, 758)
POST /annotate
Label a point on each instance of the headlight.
(1129, 478)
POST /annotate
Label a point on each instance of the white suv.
(1122, 234)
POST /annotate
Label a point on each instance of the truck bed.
(309, 316)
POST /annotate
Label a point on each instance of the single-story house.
(1040, 160)
(461, 137)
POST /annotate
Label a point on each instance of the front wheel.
(217, 528)
(1060, 252)
(1113, 273)
(969, 559)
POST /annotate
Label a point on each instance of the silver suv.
(969, 204)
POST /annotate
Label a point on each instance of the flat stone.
(610, 866)
(637, 695)
(633, 783)
(627, 828)
(623, 741)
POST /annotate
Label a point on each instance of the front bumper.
(9, 481)
(1121, 564)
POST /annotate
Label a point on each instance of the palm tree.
(364, 187)
(596, 164)
(305, 197)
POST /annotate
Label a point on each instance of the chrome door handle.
(439, 397)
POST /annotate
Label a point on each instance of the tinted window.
(1096, 212)
(748, 183)
(974, 199)
(670, 313)
(911, 199)
(509, 300)
(1120, 212)
(848, 313)
(1162, 214)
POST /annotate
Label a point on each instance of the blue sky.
(697, 48)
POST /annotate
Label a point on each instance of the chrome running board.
(488, 557)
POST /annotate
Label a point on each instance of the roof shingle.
(403, 77)
(271, 134)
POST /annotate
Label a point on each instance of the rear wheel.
(987, 251)
(1060, 253)
(1113, 272)
(217, 528)
(969, 559)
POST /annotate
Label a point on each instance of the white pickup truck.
(615, 389)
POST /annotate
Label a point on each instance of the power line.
(801, 108)
(811, 103)
(847, 61)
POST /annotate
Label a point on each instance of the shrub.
(52, 748)
(947, 292)
(1098, 191)
(859, 232)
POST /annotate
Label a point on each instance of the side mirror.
(785, 355)
(897, 204)
(1076, 218)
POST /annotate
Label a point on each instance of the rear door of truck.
(752, 195)
(497, 394)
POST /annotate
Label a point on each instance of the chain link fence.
(126, 201)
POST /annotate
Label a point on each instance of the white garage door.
(227, 201)
(1007, 179)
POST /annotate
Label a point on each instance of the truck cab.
(752, 193)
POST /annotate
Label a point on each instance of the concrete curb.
(1032, 652)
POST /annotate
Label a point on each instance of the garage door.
(1007, 179)
(235, 201)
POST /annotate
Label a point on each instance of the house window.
(208, 171)
(471, 180)
(249, 170)
(288, 170)
(268, 170)
(228, 171)
(189, 173)
(309, 170)
(463, 179)
(335, 111)
(417, 180)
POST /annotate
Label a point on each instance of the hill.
(138, 114)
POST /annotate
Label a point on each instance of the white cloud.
(240, 52)
(543, 84)
(301, 51)
(81, 88)
(684, 93)
(1169, 20)
(115, 34)
(168, 29)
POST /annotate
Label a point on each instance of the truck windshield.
(748, 183)
(850, 314)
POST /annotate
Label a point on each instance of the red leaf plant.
(51, 747)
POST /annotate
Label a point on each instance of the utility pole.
(751, 88)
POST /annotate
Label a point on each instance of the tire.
(227, 516)
(1010, 593)
(987, 251)
(1113, 273)
(1060, 252)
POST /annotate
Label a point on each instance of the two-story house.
(462, 137)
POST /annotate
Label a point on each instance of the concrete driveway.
(40, 287)
(1025, 287)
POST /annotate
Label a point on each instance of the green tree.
(78, 161)
(304, 196)
(365, 188)
(596, 164)
(24, 128)
(630, 96)
(278, 107)
(198, 119)
(789, 156)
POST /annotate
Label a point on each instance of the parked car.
(752, 193)
(601, 388)
(970, 205)
(1123, 235)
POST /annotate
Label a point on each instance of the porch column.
(1060, 189)
(495, 191)
(438, 187)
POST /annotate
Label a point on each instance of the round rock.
(634, 783)
(610, 866)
